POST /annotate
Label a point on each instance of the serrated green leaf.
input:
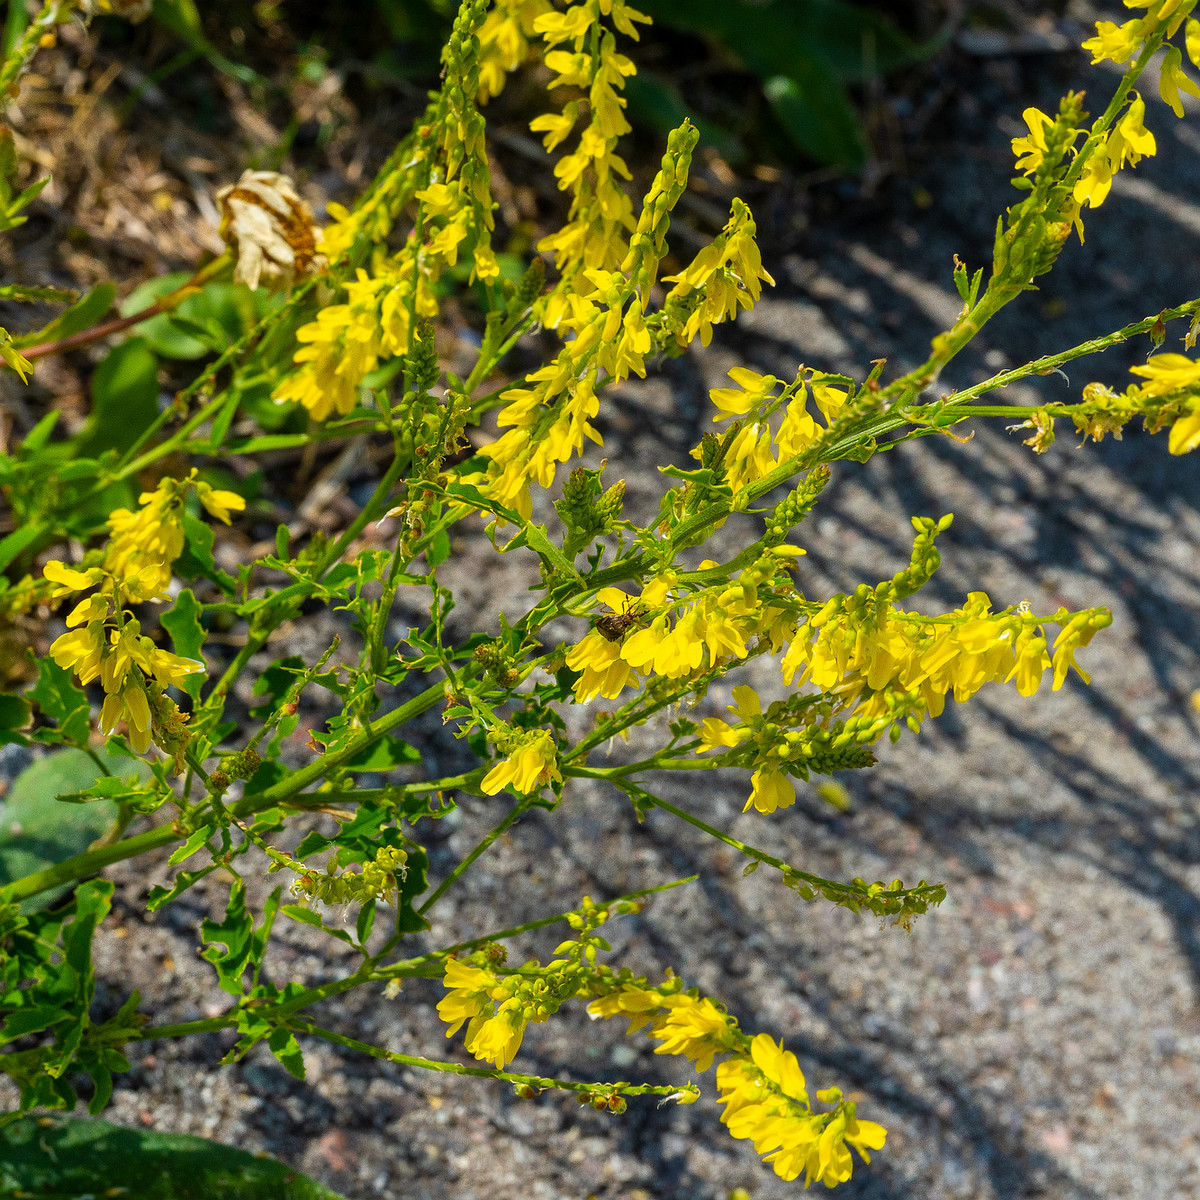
(197, 560)
(197, 839)
(59, 699)
(283, 1045)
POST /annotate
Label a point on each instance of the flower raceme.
(760, 1084)
(1168, 399)
(105, 642)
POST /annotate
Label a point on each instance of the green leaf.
(234, 933)
(124, 398)
(58, 1157)
(365, 922)
(198, 839)
(37, 831)
(286, 1049)
(163, 332)
(814, 109)
(385, 755)
(438, 549)
(14, 716)
(39, 435)
(19, 541)
(274, 683)
(59, 699)
(80, 316)
(197, 560)
(182, 622)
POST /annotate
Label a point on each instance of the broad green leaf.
(124, 398)
(36, 830)
(163, 332)
(814, 109)
(59, 1157)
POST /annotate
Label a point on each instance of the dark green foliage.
(57, 1158)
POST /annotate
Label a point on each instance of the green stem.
(91, 861)
(53, 13)
(167, 303)
(484, 843)
(452, 1068)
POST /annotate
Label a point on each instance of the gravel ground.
(1039, 1035)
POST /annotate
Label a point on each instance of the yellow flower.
(1031, 149)
(693, 1028)
(1167, 373)
(128, 703)
(1185, 432)
(217, 502)
(1173, 79)
(470, 996)
(532, 766)
(751, 391)
(69, 580)
(639, 1005)
(770, 790)
(498, 1038)
(1117, 43)
(80, 651)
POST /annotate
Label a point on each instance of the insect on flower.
(614, 626)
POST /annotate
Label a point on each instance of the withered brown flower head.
(268, 225)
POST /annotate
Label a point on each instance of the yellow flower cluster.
(1127, 141)
(1170, 398)
(444, 171)
(713, 627)
(549, 419)
(105, 642)
(529, 762)
(766, 1102)
(374, 880)
(862, 659)
(497, 1006)
(1119, 43)
(721, 280)
(760, 1083)
(762, 444)
(601, 212)
(504, 42)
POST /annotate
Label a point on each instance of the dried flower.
(271, 228)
